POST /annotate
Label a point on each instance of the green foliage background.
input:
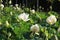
(20, 30)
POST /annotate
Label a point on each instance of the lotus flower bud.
(51, 19)
(16, 5)
(35, 28)
(10, 2)
(2, 6)
(7, 23)
(33, 11)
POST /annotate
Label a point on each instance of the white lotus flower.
(10, 2)
(2, 6)
(33, 11)
(24, 16)
(35, 28)
(51, 19)
(16, 5)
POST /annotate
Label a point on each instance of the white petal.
(24, 16)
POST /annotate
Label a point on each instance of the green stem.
(46, 38)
